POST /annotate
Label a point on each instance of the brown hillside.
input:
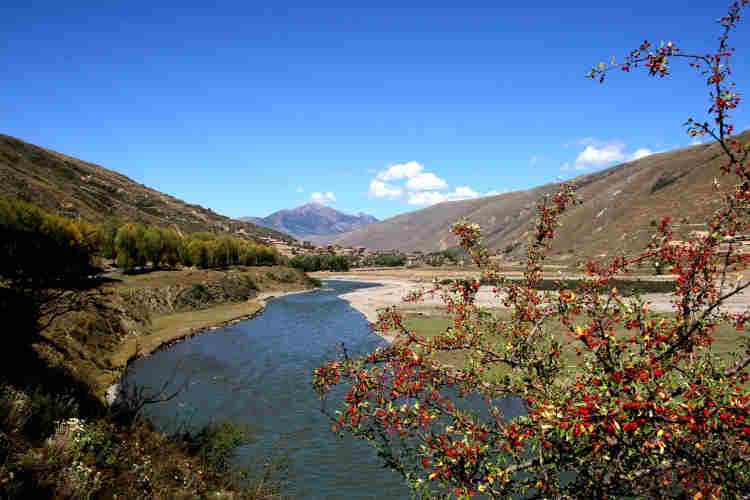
(619, 205)
(74, 188)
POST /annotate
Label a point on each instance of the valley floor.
(398, 283)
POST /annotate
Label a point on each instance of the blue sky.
(249, 107)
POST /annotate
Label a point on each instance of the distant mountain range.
(313, 221)
(68, 186)
(621, 207)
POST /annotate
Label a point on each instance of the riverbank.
(397, 285)
(55, 394)
(369, 301)
(171, 329)
(256, 372)
(138, 314)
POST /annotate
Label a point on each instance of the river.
(259, 372)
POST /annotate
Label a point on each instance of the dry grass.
(53, 181)
(76, 457)
(615, 218)
(171, 327)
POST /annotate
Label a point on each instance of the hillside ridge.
(68, 186)
(620, 206)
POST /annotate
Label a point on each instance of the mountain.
(621, 205)
(74, 188)
(313, 221)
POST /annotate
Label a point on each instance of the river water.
(259, 372)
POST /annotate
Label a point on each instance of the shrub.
(95, 441)
(619, 402)
(15, 408)
(287, 276)
(317, 283)
(215, 444)
(46, 410)
(663, 181)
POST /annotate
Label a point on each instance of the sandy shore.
(392, 291)
(369, 300)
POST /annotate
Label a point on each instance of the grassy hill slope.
(619, 205)
(68, 186)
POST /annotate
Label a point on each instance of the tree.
(171, 247)
(152, 245)
(312, 263)
(652, 409)
(129, 244)
(201, 254)
(45, 270)
(248, 254)
(225, 251)
(108, 233)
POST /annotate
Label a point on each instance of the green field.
(430, 322)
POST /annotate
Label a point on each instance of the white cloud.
(422, 188)
(465, 192)
(425, 181)
(640, 153)
(696, 141)
(380, 189)
(400, 171)
(597, 153)
(427, 198)
(594, 156)
(300, 190)
(433, 197)
(323, 198)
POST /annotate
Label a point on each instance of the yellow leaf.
(432, 476)
(698, 496)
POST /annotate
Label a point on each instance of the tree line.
(384, 260)
(38, 246)
(134, 245)
(48, 244)
(310, 263)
